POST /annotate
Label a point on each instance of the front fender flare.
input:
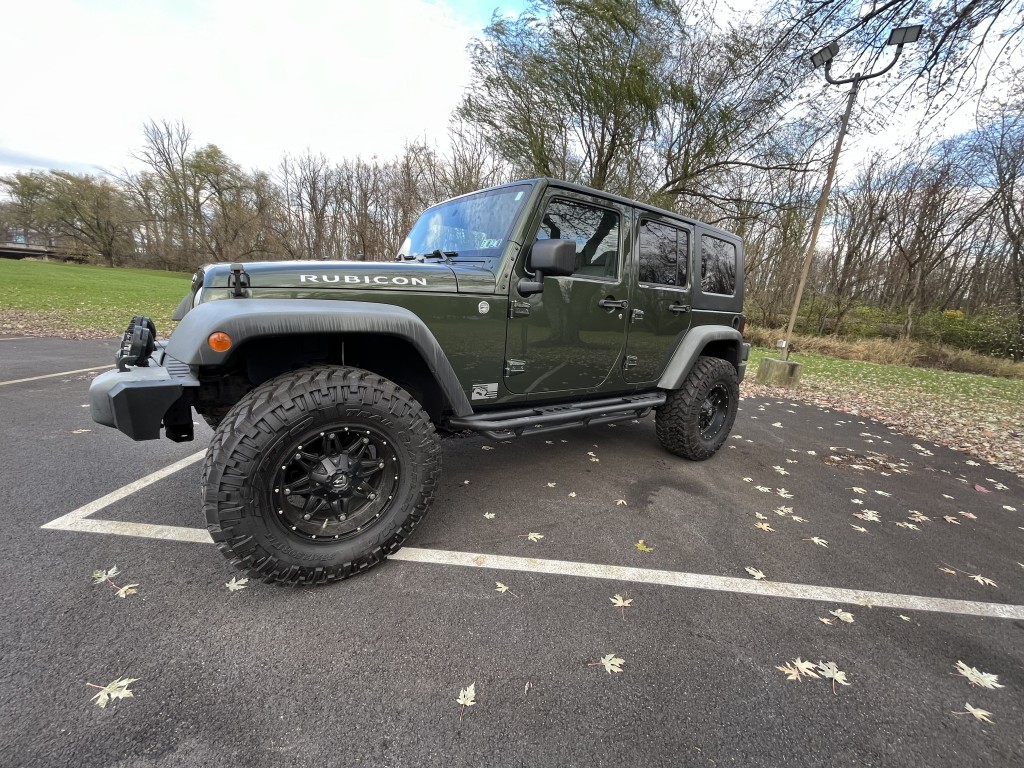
(693, 344)
(246, 319)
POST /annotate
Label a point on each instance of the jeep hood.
(357, 275)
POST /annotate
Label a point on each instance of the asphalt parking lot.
(920, 546)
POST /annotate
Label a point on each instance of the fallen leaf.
(842, 615)
(780, 470)
(552, 485)
(911, 526)
(764, 527)
(99, 576)
(783, 511)
(883, 493)
(791, 672)
(825, 621)
(917, 517)
(527, 687)
(489, 515)
(984, 580)
(535, 536)
(830, 671)
(784, 493)
(610, 663)
(80, 431)
(118, 689)
(1008, 508)
(951, 519)
(486, 447)
(754, 572)
(759, 516)
(978, 678)
(869, 515)
(621, 503)
(857, 489)
(858, 528)
(981, 488)
(797, 519)
(467, 698)
(622, 604)
(465, 482)
(978, 712)
(905, 618)
(499, 587)
(748, 479)
(857, 501)
(968, 515)
(948, 570)
(572, 494)
(127, 589)
(777, 424)
(819, 541)
(642, 546)
(763, 488)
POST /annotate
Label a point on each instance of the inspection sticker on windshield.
(485, 391)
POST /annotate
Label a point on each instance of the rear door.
(662, 292)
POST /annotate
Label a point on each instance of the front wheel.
(696, 419)
(319, 474)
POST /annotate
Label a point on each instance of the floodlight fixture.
(825, 55)
(902, 35)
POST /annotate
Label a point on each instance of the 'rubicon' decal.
(363, 279)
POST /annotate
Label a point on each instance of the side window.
(594, 230)
(717, 266)
(663, 253)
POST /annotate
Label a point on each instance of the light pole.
(898, 37)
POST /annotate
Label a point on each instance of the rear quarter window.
(717, 266)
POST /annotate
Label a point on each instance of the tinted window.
(594, 230)
(663, 253)
(717, 266)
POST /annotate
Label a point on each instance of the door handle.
(613, 304)
(677, 308)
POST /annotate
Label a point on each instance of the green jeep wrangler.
(520, 309)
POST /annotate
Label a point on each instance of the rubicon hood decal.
(318, 276)
(324, 277)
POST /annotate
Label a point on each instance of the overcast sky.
(257, 78)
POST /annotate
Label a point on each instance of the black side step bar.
(549, 418)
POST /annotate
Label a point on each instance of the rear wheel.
(696, 419)
(319, 474)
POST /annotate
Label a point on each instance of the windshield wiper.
(437, 253)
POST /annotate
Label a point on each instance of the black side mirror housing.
(548, 258)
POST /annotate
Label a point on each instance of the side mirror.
(548, 258)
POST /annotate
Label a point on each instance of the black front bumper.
(138, 400)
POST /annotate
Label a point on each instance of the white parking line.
(54, 375)
(77, 521)
(105, 501)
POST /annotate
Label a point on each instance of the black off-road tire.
(269, 435)
(696, 419)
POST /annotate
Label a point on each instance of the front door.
(661, 303)
(571, 335)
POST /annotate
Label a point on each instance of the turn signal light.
(219, 341)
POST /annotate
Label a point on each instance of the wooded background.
(658, 101)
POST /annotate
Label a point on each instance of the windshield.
(476, 226)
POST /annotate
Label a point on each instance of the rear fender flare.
(692, 346)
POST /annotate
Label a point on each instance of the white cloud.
(257, 78)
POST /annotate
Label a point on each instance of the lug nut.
(306, 517)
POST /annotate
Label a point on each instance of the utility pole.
(898, 37)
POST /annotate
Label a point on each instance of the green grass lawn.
(88, 300)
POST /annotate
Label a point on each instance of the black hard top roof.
(560, 184)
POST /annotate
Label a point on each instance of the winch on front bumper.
(148, 390)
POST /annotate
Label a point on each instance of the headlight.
(137, 344)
